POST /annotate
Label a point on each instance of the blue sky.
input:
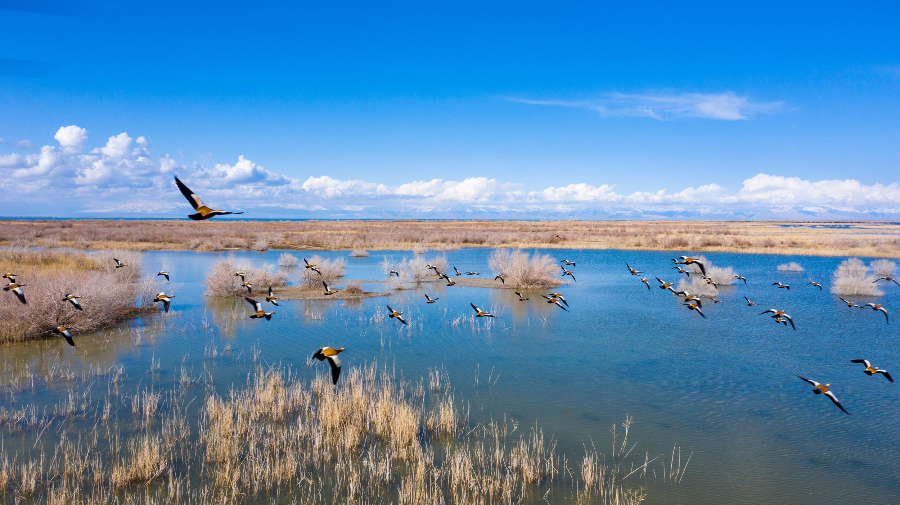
(451, 110)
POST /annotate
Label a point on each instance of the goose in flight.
(394, 272)
(665, 285)
(449, 281)
(878, 307)
(780, 320)
(555, 301)
(558, 237)
(17, 289)
(272, 298)
(781, 286)
(500, 278)
(645, 281)
(888, 278)
(741, 277)
(11, 276)
(165, 299)
(568, 263)
(687, 260)
(780, 313)
(560, 297)
(328, 291)
(690, 298)
(632, 271)
(119, 264)
(327, 353)
(710, 282)
(682, 271)
(249, 287)
(164, 274)
(430, 299)
(849, 303)
(472, 273)
(73, 299)
(66, 334)
(307, 264)
(260, 313)
(521, 298)
(749, 303)
(458, 273)
(479, 312)
(872, 370)
(203, 212)
(814, 283)
(824, 389)
(241, 275)
(567, 272)
(694, 306)
(393, 314)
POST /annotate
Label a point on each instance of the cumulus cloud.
(25, 144)
(726, 106)
(71, 138)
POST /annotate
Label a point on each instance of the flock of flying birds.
(693, 302)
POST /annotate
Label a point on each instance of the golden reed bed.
(865, 238)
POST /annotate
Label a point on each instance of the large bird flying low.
(555, 301)
(328, 291)
(17, 289)
(203, 212)
(749, 303)
(560, 297)
(500, 278)
(741, 277)
(73, 299)
(568, 263)
(690, 298)
(780, 313)
(393, 314)
(479, 312)
(327, 353)
(824, 389)
(521, 298)
(879, 308)
(872, 370)
(645, 281)
(430, 299)
(119, 264)
(781, 286)
(164, 274)
(567, 272)
(849, 303)
(249, 287)
(632, 271)
(665, 285)
(260, 313)
(888, 278)
(65, 333)
(11, 276)
(687, 260)
(682, 271)
(814, 283)
(165, 299)
(695, 307)
(272, 298)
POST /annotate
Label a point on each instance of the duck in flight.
(311, 266)
(567, 272)
(694, 306)
(430, 299)
(66, 334)
(665, 285)
(119, 264)
(645, 281)
(741, 277)
(888, 278)
(878, 307)
(710, 282)
(203, 212)
(241, 275)
(479, 312)
(472, 273)
(500, 278)
(449, 281)
(690, 298)
(272, 298)
(872, 370)
(259, 312)
(17, 289)
(633, 271)
(73, 299)
(249, 287)
(10, 276)
(327, 353)
(521, 298)
(780, 320)
(849, 303)
(682, 271)
(814, 283)
(393, 314)
(458, 273)
(560, 297)
(165, 299)
(164, 274)
(328, 291)
(687, 260)
(568, 263)
(780, 313)
(555, 301)
(749, 303)
(394, 272)
(824, 389)
(781, 286)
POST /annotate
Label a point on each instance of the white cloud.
(117, 146)
(726, 106)
(71, 138)
(25, 144)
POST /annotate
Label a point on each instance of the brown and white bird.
(272, 298)
(327, 353)
(850, 304)
(119, 264)
(687, 260)
(560, 297)
(479, 312)
(203, 212)
(259, 312)
(872, 370)
(249, 287)
(741, 277)
(394, 272)
(393, 314)
(824, 389)
(555, 301)
(11, 276)
(521, 298)
(710, 282)
(241, 275)
(500, 278)
(567, 272)
(888, 278)
(689, 297)
(568, 263)
(66, 334)
(645, 281)
(781, 286)
(633, 271)
(472, 273)
(165, 299)
(458, 273)
(449, 281)
(665, 285)
(164, 274)
(749, 303)
(430, 299)
(814, 283)
(328, 291)
(781, 314)
(780, 320)
(17, 289)
(695, 307)
(308, 265)
(73, 299)
(682, 271)
(879, 308)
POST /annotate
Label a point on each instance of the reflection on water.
(722, 389)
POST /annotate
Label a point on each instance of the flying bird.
(872, 370)
(164, 274)
(741, 277)
(394, 272)
(555, 301)
(203, 212)
(521, 298)
(327, 353)
(472, 273)
(824, 389)
(73, 299)
(66, 334)
(693, 306)
(682, 271)
(458, 273)
(272, 298)
(780, 313)
(241, 275)
(749, 303)
(17, 289)
(249, 287)
(479, 312)
(878, 307)
(430, 299)
(567, 272)
(11, 276)
(449, 281)
(665, 285)
(393, 314)
(687, 260)
(500, 278)
(165, 299)
(887, 278)
(560, 297)
(710, 282)
(690, 298)
(328, 291)
(849, 303)
(259, 312)
(814, 283)
(568, 263)
(307, 264)
(119, 264)
(781, 286)
(633, 271)
(645, 281)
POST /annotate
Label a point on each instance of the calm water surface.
(721, 389)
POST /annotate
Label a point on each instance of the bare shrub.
(884, 268)
(419, 249)
(415, 270)
(790, 267)
(354, 288)
(520, 270)
(695, 285)
(440, 263)
(260, 243)
(719, 275)
(359, 253)
(854, 278)
(389, 264)
(288, 260)
(221, 281)
(325, 271)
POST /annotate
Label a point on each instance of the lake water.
(723, 389)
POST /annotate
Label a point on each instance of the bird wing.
(702, 268)
(166, 303)
(335, 363)
(814, 383)
(770, 310)
(886, 374)
(834, 399)
(75, 302)
(700, 312)
(325, 284)
(193, 199)
(401, 320)
(390, 309)
(863, 361)
(885, 314)
(790, 321)
(560, 306)
(256, 305)
(20, 294)
(748, 300)
(270, 291)
(474, 307)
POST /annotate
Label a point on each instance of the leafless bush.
(854, 278)
(328, 271)
(354, 288)
(523, 271)
(260, 243)
(359, 253)
(440, 263)
(414, 270)
(419, 249)
(221, 281)
(695, 285)
(719, 275)
(288, 260)
(790, 267)
(389, 264)
(884, 268)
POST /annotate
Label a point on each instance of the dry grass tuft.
(354, 288)
(523, 271)
(854, 278)
(359, 253)
(221, 281)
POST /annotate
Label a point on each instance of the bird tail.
(196, 217)
(268, 317)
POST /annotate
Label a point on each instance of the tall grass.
(221, 281)
(109, 295)
(854, 278)
(521, 270)
(790, 267)
(328, 271)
